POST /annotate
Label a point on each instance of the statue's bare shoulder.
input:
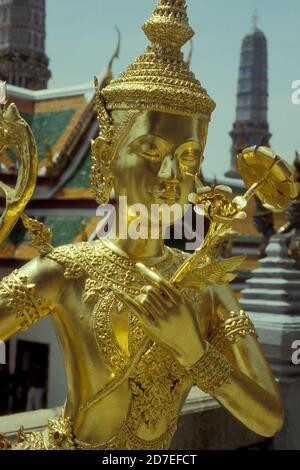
(48, 273)
(29, 294)
(45, 274)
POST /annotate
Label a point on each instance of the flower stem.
(253, 189)
(192, 262)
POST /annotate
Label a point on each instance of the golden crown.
(160, 79)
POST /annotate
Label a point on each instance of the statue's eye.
(151, 153)
(147, 148)
(189, 158)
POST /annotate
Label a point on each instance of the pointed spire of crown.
(169, 24)
(160, 79)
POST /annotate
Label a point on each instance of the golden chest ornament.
(157, 383)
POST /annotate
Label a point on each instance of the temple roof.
(63, 121)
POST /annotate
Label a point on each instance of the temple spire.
(254, 21)
(23, 61)
(251, 125)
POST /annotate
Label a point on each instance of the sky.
(81, 38)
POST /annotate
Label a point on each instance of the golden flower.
(218, 204)
(277, 186)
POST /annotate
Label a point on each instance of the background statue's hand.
(168, 318)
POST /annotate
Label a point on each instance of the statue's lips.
(166, 196)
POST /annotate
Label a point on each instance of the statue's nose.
(169, 170)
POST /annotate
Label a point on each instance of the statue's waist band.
(59, 436)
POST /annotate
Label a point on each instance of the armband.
(21, 300)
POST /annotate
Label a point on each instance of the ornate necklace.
(157, 381)
(107, 271)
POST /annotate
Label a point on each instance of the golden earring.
(102, 179)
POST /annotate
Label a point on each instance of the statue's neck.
(127, 244)
(138, 250)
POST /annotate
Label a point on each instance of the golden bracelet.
(212, 371)
(232, 329)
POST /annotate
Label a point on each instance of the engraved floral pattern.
(158, 382)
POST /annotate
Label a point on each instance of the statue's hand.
(168, 318)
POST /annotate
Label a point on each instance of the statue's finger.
(131, 303)
(154, 292)
(156, 306)
(154, 277)
(148, 312)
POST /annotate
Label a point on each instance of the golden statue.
(140, 323)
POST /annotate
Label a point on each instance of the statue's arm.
(241, 379)
(237, 376)
(29, 294)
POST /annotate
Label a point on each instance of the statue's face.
(157, 160)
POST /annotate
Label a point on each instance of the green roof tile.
(65, 229)
(49, 126)
(82, 176)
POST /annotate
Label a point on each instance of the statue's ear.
(101, 156)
